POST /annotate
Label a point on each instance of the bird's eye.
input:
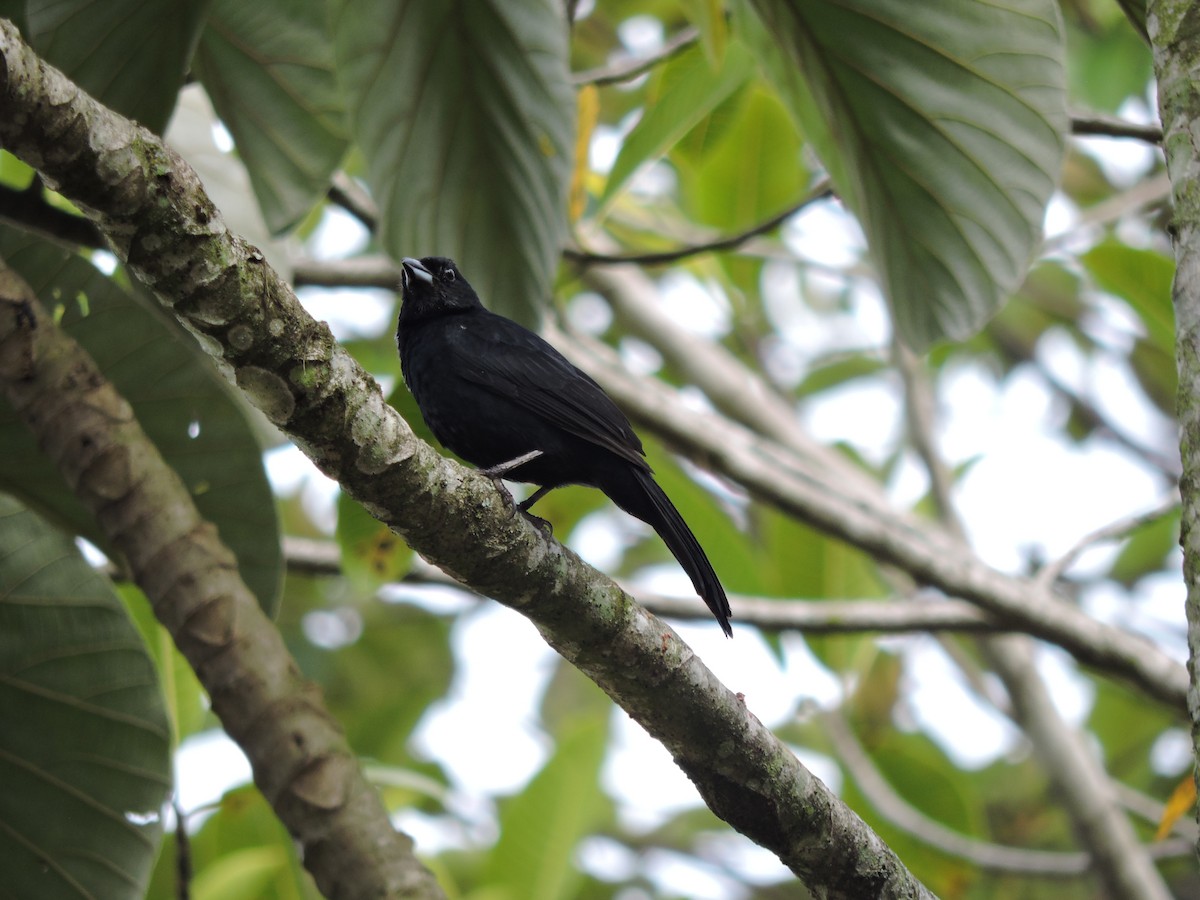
(448, 275)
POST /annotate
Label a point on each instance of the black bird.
(505, 400)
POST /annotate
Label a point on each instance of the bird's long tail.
(639, 495)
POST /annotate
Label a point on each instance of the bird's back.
(491, 390)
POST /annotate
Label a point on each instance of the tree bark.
(1174, 29)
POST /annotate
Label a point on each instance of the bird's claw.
(542, 525)
(505, 494)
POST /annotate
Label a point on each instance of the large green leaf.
(400, 645)
(132, 55)
(683, 93)
(541, 826)
(180, 402)
(240, 851)
(942, 126)
(464, 114)
(1140, 277)
(752, 171)
(85, 747)
(268, 68)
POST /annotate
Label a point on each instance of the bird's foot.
(506, 496)
(542, 525)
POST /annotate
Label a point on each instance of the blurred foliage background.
(700, 142)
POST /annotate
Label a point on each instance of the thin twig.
(358, 272)
(1053, 571)
(317, 557)
(628, 69)
(183, 853)
(819, 191)
(1107, 126)
(346, 193)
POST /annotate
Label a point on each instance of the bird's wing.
(516, 364)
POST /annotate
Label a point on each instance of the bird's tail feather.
(641, 496)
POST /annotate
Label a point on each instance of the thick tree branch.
(153, 210)
(932, 557)
(301, 761)
(994, 857)
(1172, 28)
(1077, 775)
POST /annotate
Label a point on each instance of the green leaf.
(187, 704)
(1143, 279)
(372, 554)
(1109, 63)
(710, 18)
(1135, 11)
(464, 114)
(400, 645)
(241, 874)
(179, 400)
(754, 171)
(541, 826)
(679, 97)
(837, 370)
(268, 68)
(1146, 550)
(131, 55)
(241, 850)
(1126, 728)
(85, 750)
(943, 128)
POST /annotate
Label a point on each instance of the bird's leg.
(534, 498)
(542, 524)
(497, 472)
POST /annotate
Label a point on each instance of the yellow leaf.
(1183, 798)
(589, 113)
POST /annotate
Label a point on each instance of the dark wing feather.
(521, 367)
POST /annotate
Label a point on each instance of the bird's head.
(433, 285)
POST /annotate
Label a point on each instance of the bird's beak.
(412, 268)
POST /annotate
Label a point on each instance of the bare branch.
(1176, 58)
(360, 272)
(1107, 126)
(796, 485)
(347, 194)
(819, 191)
(316, 557)
(896, 810)
(628, 69)
(1077, 775)
(1053, 571)
(992, 857)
